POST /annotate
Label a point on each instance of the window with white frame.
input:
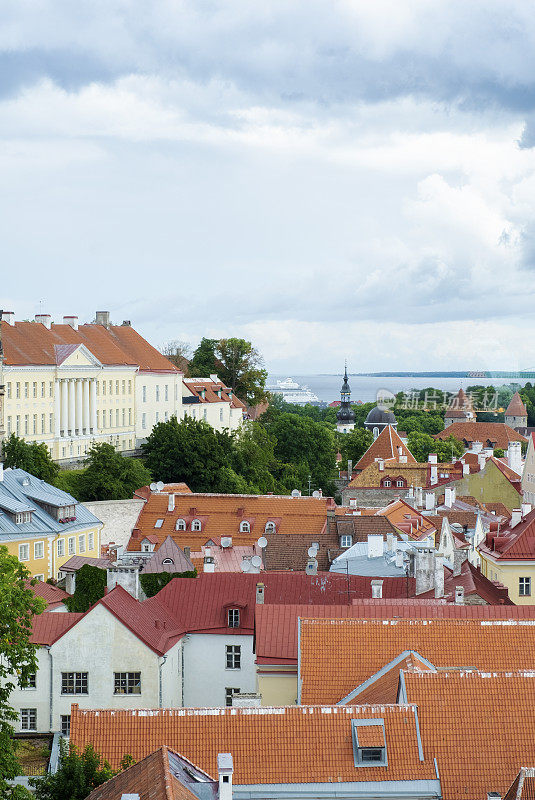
(387, 483)
(91, 540)
(270, 527)
(229, 692)
(157, 417)
(245, 527)
(127, 683)
(39, 577)
(24, 552)
(524, 587)
(346, 540)
(399, 483)
(157, 394)
(65, 724)
(28, 719)
(166, 391)
(30, 681)
(180, 525)
(233, 617)
(196, 525)
(72, 545)
(39, 550)
(233, 656)
(144, 394)
(158, 523)
(74, 683)
(205, 414)
(61, 547)
(81, 543)
(143, 421)
(220, 415)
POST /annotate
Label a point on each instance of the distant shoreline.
(486, 374)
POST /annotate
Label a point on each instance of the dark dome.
(345, 415)
(380, 416)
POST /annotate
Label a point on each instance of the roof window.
(245, 527)
(158, 523)
(270, 527)
(180, 525)
(196, 525)
(369, 744)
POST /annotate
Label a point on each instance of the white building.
(210, 400)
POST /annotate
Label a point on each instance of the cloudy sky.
(328, 178)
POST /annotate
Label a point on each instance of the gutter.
(160, 665)
(51, 694)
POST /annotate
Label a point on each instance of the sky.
(329, 179)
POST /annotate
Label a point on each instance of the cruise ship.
(292, 392)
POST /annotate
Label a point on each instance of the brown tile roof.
(498, 434)
(296, 745)
(408, 519)
(32, 343)
(290, 551)
(77, 562)
(385, 446)
(516, 407)
(371, 476)
(479, 727)
(363, 647)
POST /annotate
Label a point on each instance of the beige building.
(71, 385)
(210, 400)
(528, 473)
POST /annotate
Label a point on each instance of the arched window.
(196, 525)
(168, 561)
(245, 527)
(375, 433)
(270, 527)
(180, 525)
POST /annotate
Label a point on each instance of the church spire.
(345, 416)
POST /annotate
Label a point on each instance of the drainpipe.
(182, 656)
(160, 665)
(51, 693)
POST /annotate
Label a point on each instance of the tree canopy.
(77, 776)
(354, 444)
(421, 445)
(109, 475)
(236, 362)
(34, 457)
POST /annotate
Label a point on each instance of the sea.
(366, 387)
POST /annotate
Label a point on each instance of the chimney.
(459, 557)
(481, 460)
(424, 570)
(44, 319)
(103, 318)
(433, 474)
(187, 551)
(439, 576)
(260, 593)
(311, 567)
(225, 769)
(477, 447)
(399, 558)
(1, 471)
(516, 517)
(375, 545)
(209, 564)
(171, 502)
(459, 595)
(433, 458)
(514, 456)
(377, 589)
(526, 508)
(9, 317)
(448, 499)
(429, 501)
(126, 323)
(466, 469)
(419, 497)
(390, 542)
(72, 321)
(402, 459)
(349, 468)
(381, 464)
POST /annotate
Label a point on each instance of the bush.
(90, 587)
(153, 582)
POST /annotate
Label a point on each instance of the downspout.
(49, 650)
(160, 694)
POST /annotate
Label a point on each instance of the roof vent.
(126, 323)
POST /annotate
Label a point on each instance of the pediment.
(75, 355)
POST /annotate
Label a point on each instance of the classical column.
(85, 400)
(72, 407)
(78, 392)
(64, 407)
(57, 407)
(93, 405)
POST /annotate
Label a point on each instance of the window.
(111, 417)
(28, 719)
(39, 577)
(117, 418)
(228, 695)
(18, 391)
(124, 417)
(168, 561)
(9, 428)
(111, 387)
(26, 424)
(387, 483)
(24, 552)
(166, 388)
(233, 617)
(245, 527)
(35, 388)
(196, 525)
(143, 421)
(270, 527)
(180, 525)
(51, 423)
(8, 387)
(157, 417)
(31, 681)
(43, 423)
(346, 540)
(34, 424)
(74, 683)
(66, 724)
(103, 387)
(43, 389)
(26, 389)
(157, 394)
(220, 415)
(127, 683)
(18, 424)
(158, 523)
(51, 389)
(144, 394)
(81, 543)
(129, 387)
(72, 545)
(116, 387)
(123, 387)
(61, 547)
(233, 656)
(399, 483)
(371, 754)
(524, 587)
(91, 541)
(205, 414)
(39, 550)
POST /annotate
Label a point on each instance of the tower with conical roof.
(345, 416)
(460, 409)
(516, 413)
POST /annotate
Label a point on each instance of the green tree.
(421, 445)
(90, 587)
(18, 606)
(203, 363)
(354, 444)
(253, 457)
(111, 476)
(77, 776)
(34, 457)
(241, 367)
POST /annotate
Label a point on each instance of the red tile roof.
(497, 433)
(523, 786)
(52, 595)
(516, 407)
(196, 387)
(77, 562)
(364, 646)
(269, 745)
(512, 544)
(385, 446)
(51, 625)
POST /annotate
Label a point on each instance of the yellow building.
(71, 385)
(508, 556)
(42, 525)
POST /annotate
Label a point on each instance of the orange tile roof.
(512, 544)
(383, 687)
(385, 446)
(479, 726)
(221, 514)
(498, 433)
(363, 647)
(516, 407)
(401, 514)
(269, 745)
(28, 343)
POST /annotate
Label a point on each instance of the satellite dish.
(296, 493)
(245, 565)
(312, 552)
(262, 542)
(316, 494)
(160, 485)
(153, 487)
(256, 561)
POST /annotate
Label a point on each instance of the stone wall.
(118, 517)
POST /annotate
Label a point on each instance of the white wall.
(156, 410)
(205, 675)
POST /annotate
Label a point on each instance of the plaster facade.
(206, 677)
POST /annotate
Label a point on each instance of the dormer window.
(270, 527)
(245, 527)
(369, 744)
(147, 546)
(400, 483)
(196, 525)
(180, 525)
(233, 617)
(346, 540)
(168, 561)
(387, 484)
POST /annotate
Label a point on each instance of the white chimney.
(481, 460)
(516, 517)
(381, 464)
(72, 321)
(375, 545)
(225, 769)
(433, 478)
(424, 570)
(352, 502)
(429, 501)
(44, 319)
(400, 450)
(377, 589)
(419, 497)
(260, 593)
(102, 318)
(448, 498)
(433, 458)
(402, 459)
(399, 558)
(390, 542)
(209, 564)
(9, 317)
(171, 502)
(311, 567)
(477, 447)
(459, 595)
(526, 508)
(466, 469)
(439, 576)
(514, 456)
